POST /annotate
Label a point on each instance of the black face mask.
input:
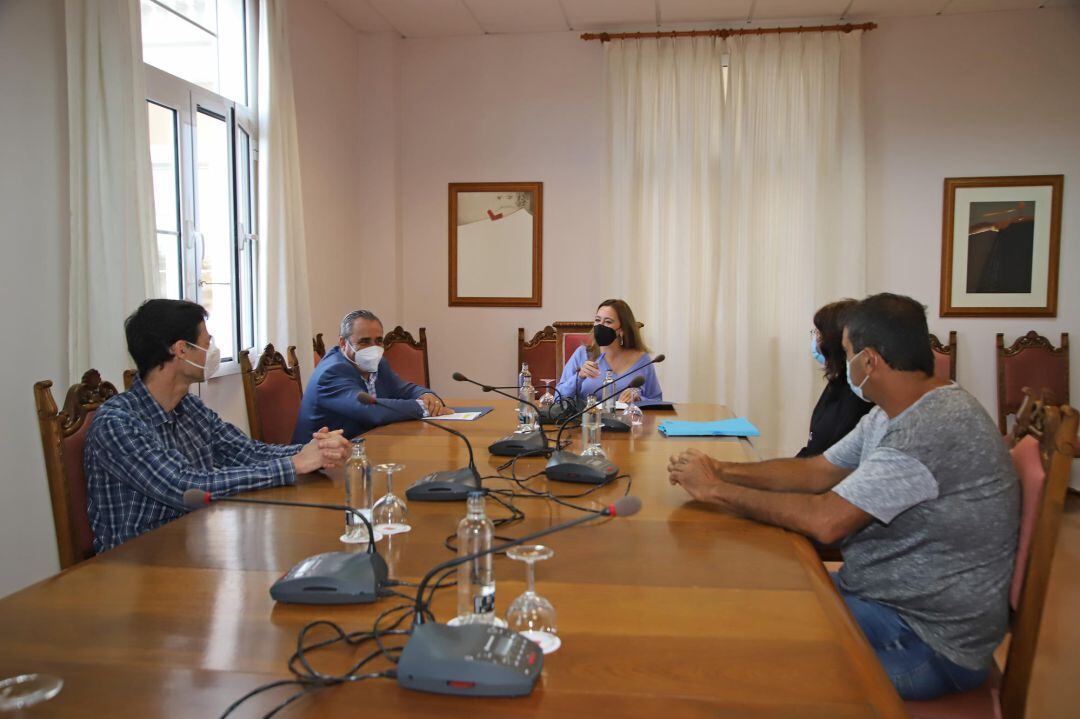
(604, 335)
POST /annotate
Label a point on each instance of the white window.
(201, 100)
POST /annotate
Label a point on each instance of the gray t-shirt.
(939, 482)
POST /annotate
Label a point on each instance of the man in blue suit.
(357, 365)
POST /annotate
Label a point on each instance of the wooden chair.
(944, 357)
(129, 378)
(539, 353)
(63, 441)
(1043, 459)
(272, 393)
(1031, 361)
(407, 356)
(319, 349)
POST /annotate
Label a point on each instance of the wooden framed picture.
(1000, 243)
(496, 244)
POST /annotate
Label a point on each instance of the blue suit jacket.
(330, 399)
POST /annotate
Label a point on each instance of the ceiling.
(433, 18)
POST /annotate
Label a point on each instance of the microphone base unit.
(472, 660)
(333, 578)
(569, 467)
(516, 444)
(447, 486)
(613, 424)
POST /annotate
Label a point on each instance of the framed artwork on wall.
(496, 244)
(1000, 244)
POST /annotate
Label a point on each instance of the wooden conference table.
(678, 611)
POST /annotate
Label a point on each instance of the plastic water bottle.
(590, 430)
(476, 578)
(609, 393)
(358, 490)
(528, 421)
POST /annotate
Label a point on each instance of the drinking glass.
(632, 414)
(390, 515)
(531, 615)
(27, 690)
(547, 399)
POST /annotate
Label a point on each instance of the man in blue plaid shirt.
(149, 445)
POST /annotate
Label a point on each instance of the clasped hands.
(326, 449)
(698, 473)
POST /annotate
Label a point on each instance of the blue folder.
(737, 427)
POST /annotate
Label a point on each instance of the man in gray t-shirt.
(921, 495)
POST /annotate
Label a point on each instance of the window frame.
(186, 100)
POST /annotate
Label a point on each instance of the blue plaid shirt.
(141, 459)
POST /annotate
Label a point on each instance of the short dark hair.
(895, 327)
(829, 321)
(154, 327)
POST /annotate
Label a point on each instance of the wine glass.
(531, 615)
(632, 414)
(27, 690)
(390, 515)
(547, 399)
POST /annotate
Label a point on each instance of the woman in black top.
(838, 410)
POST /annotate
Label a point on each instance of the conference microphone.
(479, 659)
(443, 486)
(329, 578)
(517, 443)
(566, 466)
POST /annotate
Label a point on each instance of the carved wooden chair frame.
(55, 426)
(269, 361)
(1032, 340)
(948, 350)
(400, 335)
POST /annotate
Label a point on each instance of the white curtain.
(285, 316)
(737, 210)
(113, 251)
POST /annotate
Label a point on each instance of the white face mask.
(212, 362)
(368, 358)
(856, 389)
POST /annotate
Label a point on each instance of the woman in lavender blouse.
(616, 346)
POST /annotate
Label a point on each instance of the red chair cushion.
(279, 405)
(572, 341)
(75, 476)
(942, 366)
(1038, 369)
(407, 362)
(541, 361)
(1029, 466)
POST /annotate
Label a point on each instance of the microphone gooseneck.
(369, 399)
(196, 498)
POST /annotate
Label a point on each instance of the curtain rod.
(725, 32)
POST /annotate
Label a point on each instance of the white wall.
(33, 277)
(499, 108)
(969, 96)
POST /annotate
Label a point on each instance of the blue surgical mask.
(856, 389)
(815, 351)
